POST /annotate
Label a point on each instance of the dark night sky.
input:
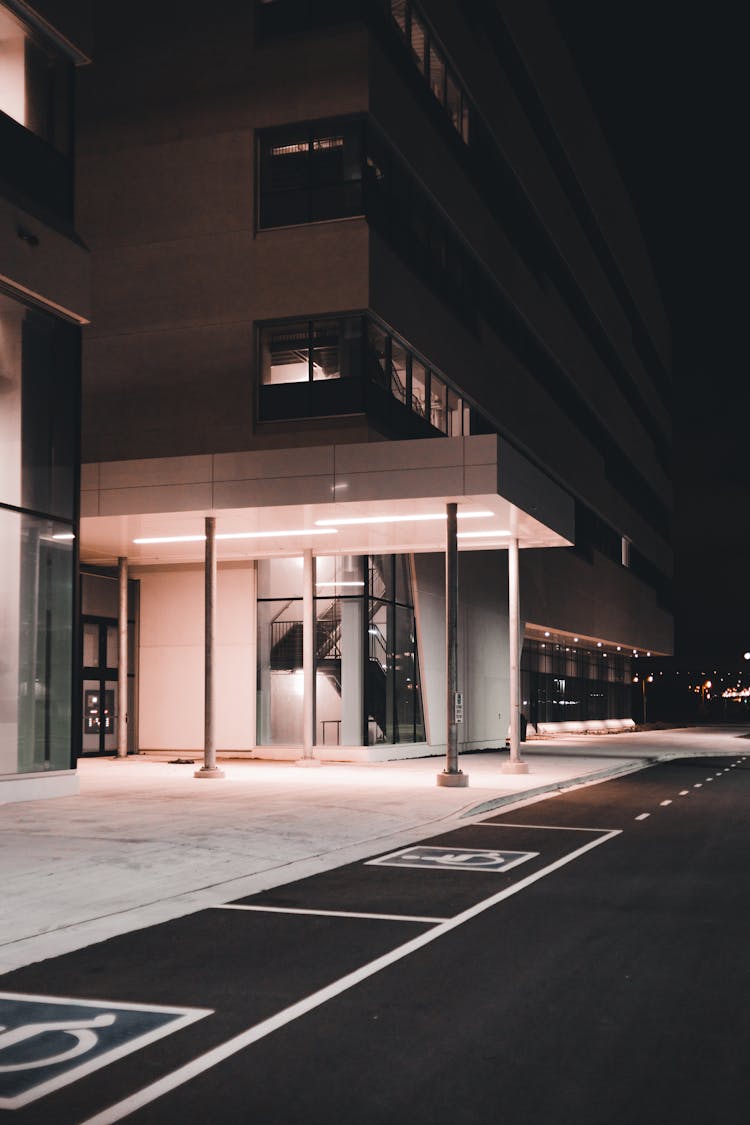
(665, 81)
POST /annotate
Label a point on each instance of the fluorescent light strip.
(480, 534)
(351, 521)
(237, 535)
(64, 536)
(339, 583)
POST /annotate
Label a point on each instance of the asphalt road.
(579, 961)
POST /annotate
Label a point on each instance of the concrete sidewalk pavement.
(144, 841)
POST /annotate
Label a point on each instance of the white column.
(308, 660)
(122, 659)
(451, 775)
(352, 655)
(209, 768)
(253, 628)
(515, 765)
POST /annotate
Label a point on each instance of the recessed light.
(422, 517)
(237, 535)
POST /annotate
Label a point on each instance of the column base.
(514, 767)
(452, 780)
(209, 772)
(308, 762)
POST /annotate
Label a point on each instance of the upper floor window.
(35, 83)
(351, 348)
(309, 173)
(431, 61)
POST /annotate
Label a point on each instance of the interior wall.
(171, 658)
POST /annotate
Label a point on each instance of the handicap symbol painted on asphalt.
(454, 859)
(47, 1042)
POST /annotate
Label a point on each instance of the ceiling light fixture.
(237, 535)
(422, 517)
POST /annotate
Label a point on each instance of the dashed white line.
(251, 1035)
(698, 785)
(643, 816)
(663, 803)
(684, 792)
(326, 913)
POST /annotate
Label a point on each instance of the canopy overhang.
(370, 498)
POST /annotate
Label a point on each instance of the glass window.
(418, 41)
(453, 100)
(438, 403)
(398, 11)
(454, 413)
(39, 382)
(465, 121)
(437, 72)
(325, 350)
(310, 173)
(35, 83)
(393, 701)
(418, 388)
(377, 355)
(285, 354)
(399, 370)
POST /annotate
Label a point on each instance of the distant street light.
(643, 680)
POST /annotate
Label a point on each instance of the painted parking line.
(643, 816)
(327, 913)
(665, 803)
(237, 1043)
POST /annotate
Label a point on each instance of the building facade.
(44, 299)
(356, 262)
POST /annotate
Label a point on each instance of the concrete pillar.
(451, 775)
(253, 630)
(122, 658)
(209, 768)
(308, 660)
(515, 765)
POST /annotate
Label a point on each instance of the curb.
(561, 786)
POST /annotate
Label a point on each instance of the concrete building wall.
(171, 658)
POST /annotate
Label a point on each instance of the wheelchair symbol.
(82, 1031)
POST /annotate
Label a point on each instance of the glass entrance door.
(100, 702)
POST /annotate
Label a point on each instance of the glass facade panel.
(568, 683)
(36, 622)
(394, 705)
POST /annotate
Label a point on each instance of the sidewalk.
(145, 842)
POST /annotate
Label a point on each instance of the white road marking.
(698, 785)
(553, 827)
(684, 792)
(643, 816)
(327, 913)
(709, 779)
(664, 803)
(239, 1042)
